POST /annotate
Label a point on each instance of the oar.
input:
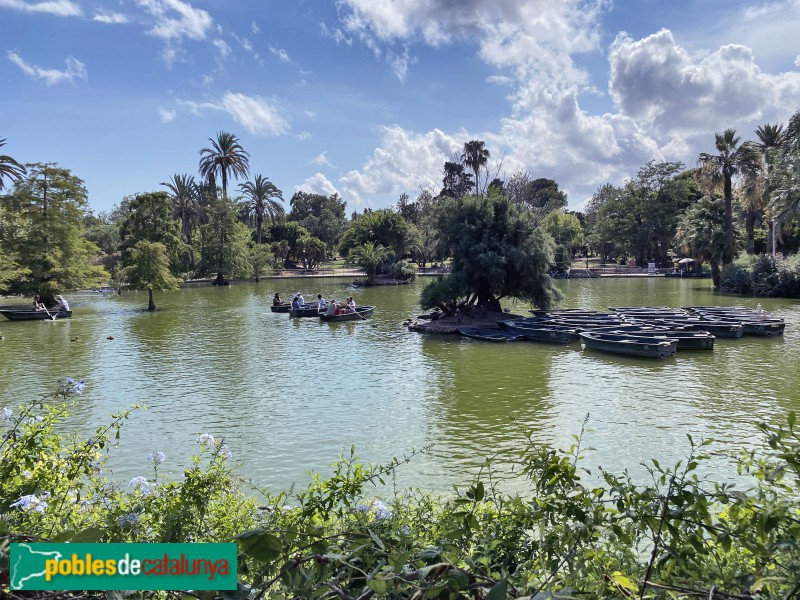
(363, 318)
(52, 317)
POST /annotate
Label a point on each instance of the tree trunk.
(749, 226)
(150, 304)
(716, 274)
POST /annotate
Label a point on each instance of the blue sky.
(368, 98)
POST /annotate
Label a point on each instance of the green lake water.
(289, 395)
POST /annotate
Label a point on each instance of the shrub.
(404, 270)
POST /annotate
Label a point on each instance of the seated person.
(37, 303)
(276, 300)
(331, 310)
(320, 302)
(351, 304)
(61, 304)
(295, 303)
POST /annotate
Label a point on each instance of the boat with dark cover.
(538, 332)
(361, 313)
(489, 335)
(623, 343)
(307, 310)
(281, 308)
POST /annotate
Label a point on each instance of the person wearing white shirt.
(300, 299)
(61, 304)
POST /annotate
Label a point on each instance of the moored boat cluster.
(656, 332)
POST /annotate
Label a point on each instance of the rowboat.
(362, 312)
(489, 335)
(539, 332)
(281, 308)
(307, 310)
(623, 343)
(687, 340)
(34, 315)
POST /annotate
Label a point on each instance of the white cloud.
(311, 115)
(404, 161)
(400, 63)
(167, 116)
(797, 61)
(175, 20)
(243, 42)
(75, 70)
(255, 114)
(60, 8)
(336, 35)
(281, 54)
(317, 184)
(254, 28)
(499, 80)
(303, 136)
(222, 46)
(322, 160)
(110, 18)
(672, 93)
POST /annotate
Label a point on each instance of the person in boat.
(295, 303)
(300, 299)
(321, 302)
(332, 308)
(61, 304)
(276, 300)
(37, 303)
(351, 304)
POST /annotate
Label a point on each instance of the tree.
(227, 246)
(497, 252)
(9, 168)
(288, 232)
(225, 157)
(149, 268)
(770, 140)
(261, 202)
(567, 232)
(369, 255)
(310, 251)
(730, 160)
(475, 156)
(456, 182)
(323, 216)
(384, 227)
(701, 233)
(150, 216)
(541, 195)
(42, 233)
(185, 206)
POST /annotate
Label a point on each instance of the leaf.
(89, 535)
(260, 545)
(624, 581)
(479, 491)
(378, 586)
(499, 591)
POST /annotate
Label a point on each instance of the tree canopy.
(497, 253)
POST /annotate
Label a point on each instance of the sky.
(369, 98)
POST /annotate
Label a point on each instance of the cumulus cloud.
(405, 161)
(256, 114)
(75, 70)
(667, 90)
(317, 184)
(322, 160)
(59, 8)
(110, 18)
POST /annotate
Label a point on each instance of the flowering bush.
(572, 535)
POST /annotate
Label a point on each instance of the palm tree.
(225, 157)
(261, 203)
(369, 256)
(185, 206)
(732, 159)
(701, 234)
(474, 157)
(770, 138)
(9, 167)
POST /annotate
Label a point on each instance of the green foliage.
(403, 270)
(369, 255)
(701, 233)
(150, 217)
(42, 234)
(227, 243)
(572, 534)
(310, 251)
(497, 252)
(567, 232)
(541, 195)
(381, 227)
(323, 216)
(148, 268)
(764, 276)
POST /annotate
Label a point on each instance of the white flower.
(205, 440)
(140, 484)
(381, 511)
(31, 502)
(224, 451)
(156, 458)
